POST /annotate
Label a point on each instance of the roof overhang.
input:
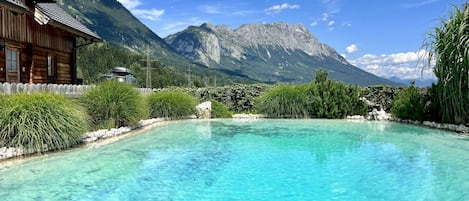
(17, 6)
(55, 16)
(74, 31)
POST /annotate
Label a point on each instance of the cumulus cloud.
(351, 48)
(152, 14)
(279, 8)
(314, 23)
(130, 4)
(331, 23)
(405, 65)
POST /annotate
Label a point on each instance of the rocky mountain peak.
(266, 52)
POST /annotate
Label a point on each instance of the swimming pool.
(254, 160)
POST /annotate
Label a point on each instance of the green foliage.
(283, 101)
(332, 99)
(171, 104)
(449, 47)
(97, 59)
(219, 110)
(40, 122)
(320, 99)
(114, 104)
(408, 104)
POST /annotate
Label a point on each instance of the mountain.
(277, 52)
(117, 26)
(418, 82)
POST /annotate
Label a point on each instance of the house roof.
(63, 20)
(17, 4)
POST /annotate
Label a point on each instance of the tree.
(448, 47)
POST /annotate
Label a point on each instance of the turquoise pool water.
(254, 160)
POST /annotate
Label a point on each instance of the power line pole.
(148, 73)
(189, 77)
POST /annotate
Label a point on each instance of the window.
(50, 65)
(12, 59)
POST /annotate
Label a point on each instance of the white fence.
(65, 89)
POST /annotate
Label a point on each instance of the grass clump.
(40, 122)
(171, 104)
(114, 104)
(448, 49)
(283, 101)
(408, 104)
(219, 110)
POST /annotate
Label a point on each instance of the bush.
(322, 98)
(283, 101)
(114, 104)
(332, 99)
(171, 104)
(40, 122)
(219, 110)
(408, 104)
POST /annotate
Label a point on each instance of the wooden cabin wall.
(63, 73)
(22, 27)
(36, 42)
(2, 66)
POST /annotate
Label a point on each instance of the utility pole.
(148, 60)
(189, 77)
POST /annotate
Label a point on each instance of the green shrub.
(219, 110)
(40, 121)
(408, 104)
(283, 101)
(333, 99)
(171, 104)
(114, 104)
(322, 98)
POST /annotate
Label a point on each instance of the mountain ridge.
(277, 52)
(120, 28)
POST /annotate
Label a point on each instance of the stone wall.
(241, 98)
(381, 96)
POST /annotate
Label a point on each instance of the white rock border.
(11, 152)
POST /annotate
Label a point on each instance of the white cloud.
(149, 14)
(153, 14)
(325, 17)
(314, 23)
(347, 24)
(331, 23)
(279, 8)
(130, 4)
(406, 65)
(351, 48)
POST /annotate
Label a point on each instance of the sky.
(383, 37)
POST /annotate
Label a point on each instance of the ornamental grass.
(114, 104)
(40, 122)
(171, 104)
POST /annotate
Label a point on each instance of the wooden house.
(38, 42)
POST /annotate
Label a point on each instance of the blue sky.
(383, 37)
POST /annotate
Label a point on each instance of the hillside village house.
(38, 42)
